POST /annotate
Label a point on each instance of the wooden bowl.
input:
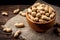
(40, 27)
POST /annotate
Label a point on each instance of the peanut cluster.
(41, 12)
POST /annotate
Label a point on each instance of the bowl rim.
(39, 22)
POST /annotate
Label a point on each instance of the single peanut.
(17, 33)
(31, 17)
(36, 19)
(33, 8)
(41, 21)
(47, 14)
(29, 10)
(42, 12)
(52, 15)
(16, 11)
(51, 8)
(40, 8)
(19, 25)
(22, 13)
(7, 29)
(4, 13)
(42, 5)
(45, 17)
(46, 8)
(33, 14)
(38, 15)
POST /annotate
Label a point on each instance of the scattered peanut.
(16, 11)
(22, 13)
(17, 33)
(4, 13)
(7, 29)
(19, 25)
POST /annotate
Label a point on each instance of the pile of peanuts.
(41, 12)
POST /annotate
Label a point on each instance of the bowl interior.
(39, 22)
